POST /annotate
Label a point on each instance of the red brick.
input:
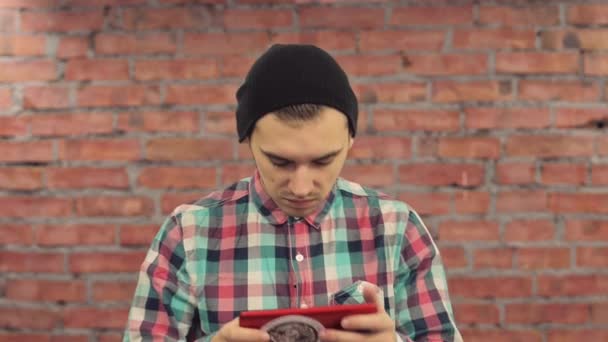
(28, 4)
(42, 97)
(502, 335)
(175, 69)
(596, 65)
(27, 207)
(372, 41)
(471, 202)
(592, 203)
(468, 231)
(70, 47)
(110, 96)
(587, 14)
(164, 18)
(494, 258)
(189, 149)
(22, 45)
(521, 201)
(99, 3)
(137, 235)
(579, 117)
(536, 313)
(12, 234)
(76, 235)
(543, 258)
(220, 122)
(515, 173)
(446, 64)
(370, 65)
(234, 172)
(599, 313)
(586, 230)
(507, 118)
(89, 318)
(537, 63)
(560, 335)
(6, 100)
(20, 178)
(453, 257)
(177, 177)
(490, 287)
(97, 69)
(592, 39)
(451, 15)
(469, 147)
(344, 17)
(454, 91)
(27, 70)
(225, 43)
(519, 16)
(159, 122)
(498, 38)
(564, 173)
(602, 145)
(105, 262)
(26, 318)
(117, 337)
(32, 262)
(549, 146)
(125, 44)
(170, 201)
(416, 120)
(325, 39)
(71, 124)
(62, 21)
(100, 150)
(46, 290)
(571, 285)
(113, 291)
(257, 19)
(436, 203)
(236, 66)
(201, 94)
(84, 177)
(374, 147)
(29, 151)
(13, 126)
(370, 175)
(8, 20)
(114, 206)
(529, 230)
(437, 174)
(571, 91)
(391, 92)
(592, 257)
(468, 313)
(599, 174)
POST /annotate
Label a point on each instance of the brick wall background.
(489, 117)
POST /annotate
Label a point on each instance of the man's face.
(299, 162)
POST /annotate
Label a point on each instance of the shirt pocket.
(351, 294)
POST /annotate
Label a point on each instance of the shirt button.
(299, 257)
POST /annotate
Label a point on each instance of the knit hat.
(292, 74)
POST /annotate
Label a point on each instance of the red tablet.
(320, 316)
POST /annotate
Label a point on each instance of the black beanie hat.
(292, 74)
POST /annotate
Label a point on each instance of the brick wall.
(490, 119)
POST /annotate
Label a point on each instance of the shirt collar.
(271, 211)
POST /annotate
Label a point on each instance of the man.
(293, 234)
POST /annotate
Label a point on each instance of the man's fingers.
(369, 322)
(331, 335)
(373, 294)
(233, 332)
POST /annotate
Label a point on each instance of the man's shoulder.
(230, 195)
(372, 196)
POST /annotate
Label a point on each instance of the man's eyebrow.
(325, 156)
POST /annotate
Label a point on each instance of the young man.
(293, 234)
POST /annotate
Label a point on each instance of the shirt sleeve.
(423, 308)
(163, 305)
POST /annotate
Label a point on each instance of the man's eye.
(279, 163)
(323, 162)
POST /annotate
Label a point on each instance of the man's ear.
(351, 141)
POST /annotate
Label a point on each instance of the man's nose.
(301, 182)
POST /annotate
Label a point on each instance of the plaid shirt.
(235, 250)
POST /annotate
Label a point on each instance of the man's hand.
(232, 332)
(378, 327)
